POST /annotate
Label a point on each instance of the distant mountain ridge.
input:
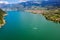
(29, 4)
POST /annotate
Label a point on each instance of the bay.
(22, 25)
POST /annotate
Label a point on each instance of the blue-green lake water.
(22, 25)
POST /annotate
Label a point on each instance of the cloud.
(5, 2)
(22, 0)
(46, 0)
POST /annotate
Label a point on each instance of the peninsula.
(2, 14)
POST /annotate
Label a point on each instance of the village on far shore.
(50, 13)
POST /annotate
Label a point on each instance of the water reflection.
(35, 28)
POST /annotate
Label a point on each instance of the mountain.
(33, 3)
(2, 5)
(50, 3)
(30, 4)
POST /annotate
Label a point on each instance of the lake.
(22, 25)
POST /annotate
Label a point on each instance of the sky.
(11, 1)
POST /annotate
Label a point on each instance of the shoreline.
(3, 21)
(36, 11)
(52, 15)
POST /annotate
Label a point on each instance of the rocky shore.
(2, 14)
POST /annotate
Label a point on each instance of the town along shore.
(49, 14)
